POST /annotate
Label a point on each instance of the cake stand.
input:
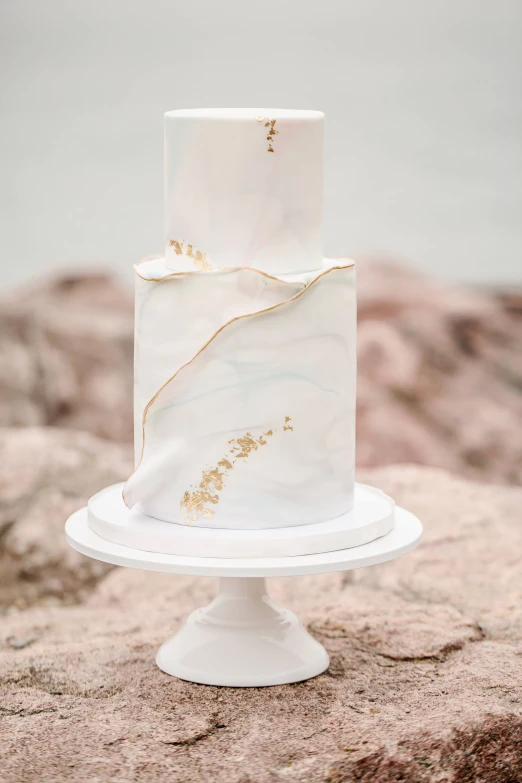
(242, 639)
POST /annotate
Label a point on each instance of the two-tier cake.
(244, 338)
(244, 400)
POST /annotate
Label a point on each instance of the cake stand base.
(242, 639)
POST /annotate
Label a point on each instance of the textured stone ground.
(439, 375)
(45, 475)
(66, 349)
(440, 368)
(425, 682)
(426, 675)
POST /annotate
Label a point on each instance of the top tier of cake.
(244, 187)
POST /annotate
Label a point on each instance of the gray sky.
(422, 101)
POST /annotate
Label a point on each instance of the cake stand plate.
(242, 639)
(371, 517)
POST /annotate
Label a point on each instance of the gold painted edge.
(220, 270)
(213, 337)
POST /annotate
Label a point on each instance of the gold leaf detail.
(212, 481)
(200, 259)
(271, 133)
(178, 246)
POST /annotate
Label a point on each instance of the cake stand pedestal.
(242, 639)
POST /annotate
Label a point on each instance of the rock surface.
(45, 475)
(440, 368)
(426, 657)
(439, 375)
(425, 681)
(66, 351)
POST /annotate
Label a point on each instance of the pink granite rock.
(66, 350)
(426, 652)
(426, 657)
(439, 375)
(45, 475)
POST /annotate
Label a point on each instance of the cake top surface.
(244, 114)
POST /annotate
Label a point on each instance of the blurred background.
(422, 99)
(423, 185)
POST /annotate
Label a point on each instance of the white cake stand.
(242, 639)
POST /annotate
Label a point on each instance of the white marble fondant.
(255, 427)
(242, 199)
(177, 313)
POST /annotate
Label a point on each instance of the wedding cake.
(244, 334)
(244, 396)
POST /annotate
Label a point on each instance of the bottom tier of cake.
(244, 396)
